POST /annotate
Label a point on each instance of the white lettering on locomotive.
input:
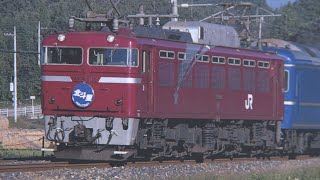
(89, 97)
(83, 95)
(79, 93)
(248, 102)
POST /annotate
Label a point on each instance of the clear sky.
(278, 3)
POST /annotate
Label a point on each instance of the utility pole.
(260, 31)
(39, 42)
(15, 69)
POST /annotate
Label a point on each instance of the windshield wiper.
(113, 50)
(59, 52)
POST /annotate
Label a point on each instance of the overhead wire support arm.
(218, 13)
(152, 15)
(247, 16)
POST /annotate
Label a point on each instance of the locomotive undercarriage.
(167, 138)
(119, 139)
(301, 141)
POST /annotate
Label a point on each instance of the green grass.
(306, 173)
(296, 174)
(22, 153)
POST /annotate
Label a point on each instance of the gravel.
(164, 171)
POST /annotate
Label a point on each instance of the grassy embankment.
(23, 123)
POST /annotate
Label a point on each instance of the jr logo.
(248, 103)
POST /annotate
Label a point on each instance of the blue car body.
(302, 87)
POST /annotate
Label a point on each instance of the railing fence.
(30, 111)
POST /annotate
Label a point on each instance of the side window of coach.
(286, 81)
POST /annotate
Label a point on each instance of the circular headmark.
(82, 95)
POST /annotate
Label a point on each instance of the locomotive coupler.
(82, 133)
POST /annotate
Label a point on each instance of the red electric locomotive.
(151, 92)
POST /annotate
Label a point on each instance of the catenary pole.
(39, 41)
(15, 72)
(15, 94)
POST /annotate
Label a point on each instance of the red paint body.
(150, 98)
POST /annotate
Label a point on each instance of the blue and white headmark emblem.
(82, 95)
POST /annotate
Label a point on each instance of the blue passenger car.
(302, 98)
(301, 123)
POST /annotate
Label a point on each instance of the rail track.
(47, 166)
(15, 166)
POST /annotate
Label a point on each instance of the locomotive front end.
(89, 87)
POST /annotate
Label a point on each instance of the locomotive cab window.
(62, 55)
(113, 57)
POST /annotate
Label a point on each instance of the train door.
(297, 115)
(147, 78)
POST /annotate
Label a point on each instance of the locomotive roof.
(207, 33)
(217, 49)
(158, 33)
(191, 32)
(161, 39)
